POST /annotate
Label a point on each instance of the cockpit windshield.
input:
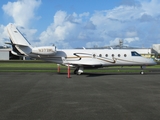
(134, 53)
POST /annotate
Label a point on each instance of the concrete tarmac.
(52, 96)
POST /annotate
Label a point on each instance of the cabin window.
(134, 53)
(125, 55)
(112, 55)
(100, 55)
(119, 55)
(94, 55)
(106, 55)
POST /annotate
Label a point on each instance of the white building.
(4, 54)
(156, 48)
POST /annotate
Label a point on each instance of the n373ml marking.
(45, 50)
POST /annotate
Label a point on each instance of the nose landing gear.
(142, 72)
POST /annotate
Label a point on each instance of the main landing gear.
(78, 70)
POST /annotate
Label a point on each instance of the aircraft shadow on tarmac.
(87, 74)
(99, 74)
(105, 74)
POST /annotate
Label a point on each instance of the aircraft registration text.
(45, 50)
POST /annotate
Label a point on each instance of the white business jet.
(77, 58)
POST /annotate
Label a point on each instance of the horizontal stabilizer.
(14, 53)
(8, 43)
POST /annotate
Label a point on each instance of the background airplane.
(78, 58)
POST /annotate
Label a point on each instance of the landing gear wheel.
(142, 72)
(78, 73)
(78, 70)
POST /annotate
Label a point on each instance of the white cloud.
(59, 30)
(131, 33)
(85, 14)
(3, 35)
(93, 44)
(60, 18)
(129, 40)
(22, 11)
(125, 41)
(115, 41)
(151, 7)
(131, 22)
(127, 22)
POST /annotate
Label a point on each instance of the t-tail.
(20, 46)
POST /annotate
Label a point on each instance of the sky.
(83, 23)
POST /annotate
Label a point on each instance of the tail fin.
(19, 43)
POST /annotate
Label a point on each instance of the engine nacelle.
(47, 50)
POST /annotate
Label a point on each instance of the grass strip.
(39, 66)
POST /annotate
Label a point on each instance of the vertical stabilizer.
(18, 41)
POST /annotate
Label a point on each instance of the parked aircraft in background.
(78, 58)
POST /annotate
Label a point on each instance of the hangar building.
(4, 54)
(156, 48)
